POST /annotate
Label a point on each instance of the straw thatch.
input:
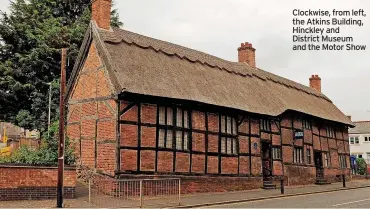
(148, 66)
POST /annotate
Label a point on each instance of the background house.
(359, 139)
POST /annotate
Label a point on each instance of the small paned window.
(352, 140)
(308, 154)
(367, 139)
(326, 159)
(307, 124)
(298, 155)
(342, 161)
(357, 141)
(168, 132)
(276, 153)
(330, 132)
(229, 142)
(265, 125)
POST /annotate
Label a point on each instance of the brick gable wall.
(91, 121)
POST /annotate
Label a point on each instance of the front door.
(319, 165)
(266, 161)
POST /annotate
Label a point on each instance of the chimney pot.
(101, 12)
(246, 53)
(315, 83)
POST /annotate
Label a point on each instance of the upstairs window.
(174, 124)
(367, 139)
(330, 132)
(352, 140)
(307, 124)
(265, 125)
(357, 141)
(228, 135)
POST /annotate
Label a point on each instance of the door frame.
(319, 164)
(266, 147)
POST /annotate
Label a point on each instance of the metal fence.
(117, 193)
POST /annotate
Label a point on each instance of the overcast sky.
(218, 27)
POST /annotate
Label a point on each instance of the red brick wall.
(91, 122)
(28, 182)
(197, 163)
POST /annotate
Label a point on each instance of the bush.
(47, 155)
(361, 166)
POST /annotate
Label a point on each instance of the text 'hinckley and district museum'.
(323, 29)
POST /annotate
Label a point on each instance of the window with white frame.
(352, 140)
(276, 153)
(298, 155)
(229, 142)
(174, 124)
(330, 132)
(357, 140)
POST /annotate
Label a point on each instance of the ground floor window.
(174, 126)
(298, 155)
(228, 145)
(326, 159)
(308, 154)
(228, 131)
(342, 161)
(276, 153)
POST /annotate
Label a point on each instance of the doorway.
(266, 161)
(319, 165)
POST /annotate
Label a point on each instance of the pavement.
(358, 198)
(220, 199)
(260, 194)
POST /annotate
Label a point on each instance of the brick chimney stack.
(101, 10)
(315, 83)
(247, 53)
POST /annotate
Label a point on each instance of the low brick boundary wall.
(19, 182)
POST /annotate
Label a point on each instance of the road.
(357, 198)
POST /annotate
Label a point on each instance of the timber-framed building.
(141, 107)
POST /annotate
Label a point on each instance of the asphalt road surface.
(356, 198)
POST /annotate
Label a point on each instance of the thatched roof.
(148, 66)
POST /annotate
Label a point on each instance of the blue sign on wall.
(298, 134)
(255, 145)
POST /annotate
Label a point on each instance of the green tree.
(361, 166)
(31, 36)
(46, 155)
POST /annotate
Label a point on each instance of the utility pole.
(49, 114)
(61, 130)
